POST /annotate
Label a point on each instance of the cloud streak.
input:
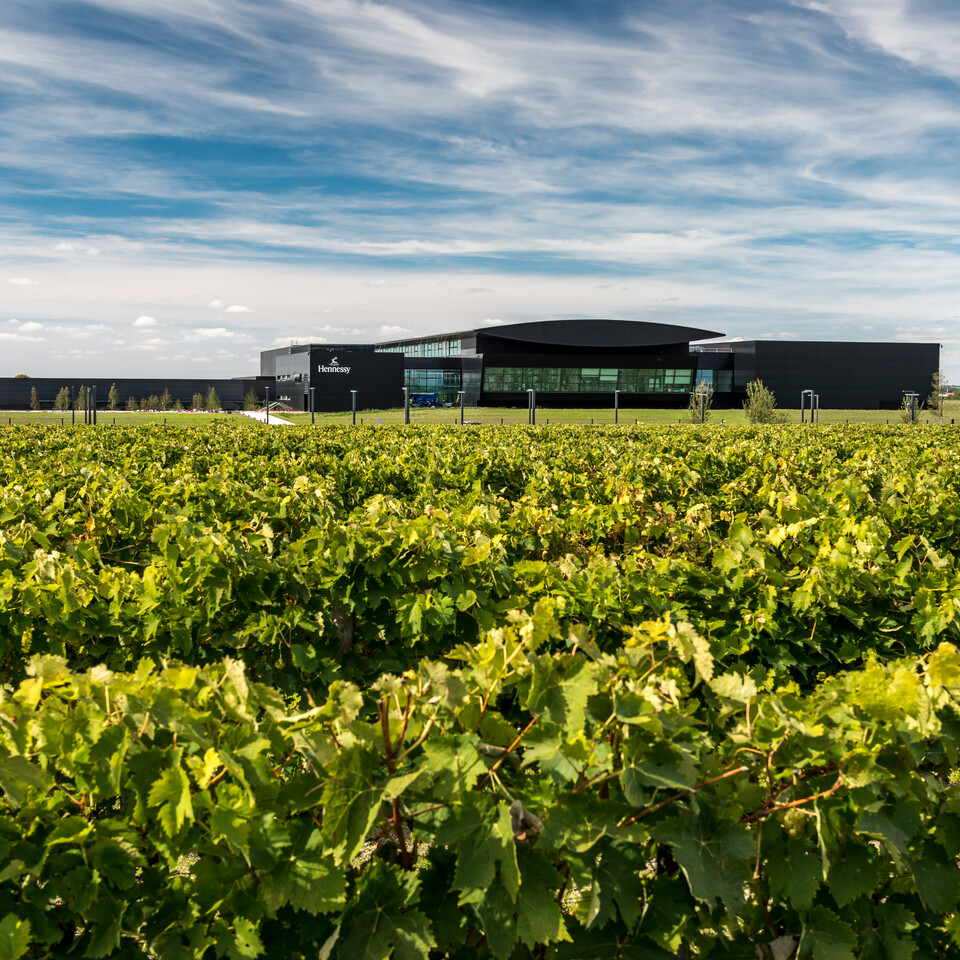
(751, 167)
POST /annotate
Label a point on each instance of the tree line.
(164, 401)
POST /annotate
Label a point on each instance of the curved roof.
(598, 333)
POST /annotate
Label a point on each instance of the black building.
(569, 363)
(332, 372)
(580, 363)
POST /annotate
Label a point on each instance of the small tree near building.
(761, 405)
(938, 389)
(81, 402)
(177, 406)
(34, 399)
(213, 399)
(250, 401)
(198, 402)
(702, 395)
(113, 397)
(62, 401)
(132, 404)
(166, 399)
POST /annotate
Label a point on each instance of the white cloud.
(237, 308)
(23, 282)
(393, 330)
(30, 327)
(218, 333)
(215, 304)
(145, 322)
(65, 246)
(493, 320)
(307, 338)
(20, 338)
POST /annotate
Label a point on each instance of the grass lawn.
(482, 415)
(548, 417)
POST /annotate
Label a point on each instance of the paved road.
(275, 421)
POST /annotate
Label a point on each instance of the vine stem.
(765, 812)
(680, 796)
(507, 752)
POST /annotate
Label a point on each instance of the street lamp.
(616, 406)
(353, 397)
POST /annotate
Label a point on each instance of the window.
(587, 380)
(444, 382)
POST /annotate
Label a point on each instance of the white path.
(262, 417)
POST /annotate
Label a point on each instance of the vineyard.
(513, 693)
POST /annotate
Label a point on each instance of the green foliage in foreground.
(313, 555)
(185, 812)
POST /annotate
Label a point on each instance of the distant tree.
(213, 399)
(177, 406)
(152, 402)
(761, 405)
(22, 376)
(81, 401)
(250, 400)
(938, 388)
(198, 402)
(34, 399)
(166, 399)
(113, 398)
(132, 404)
(63, 399)
(705, 390)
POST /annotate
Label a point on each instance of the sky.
(188, 182)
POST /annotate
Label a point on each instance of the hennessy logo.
(334, 366)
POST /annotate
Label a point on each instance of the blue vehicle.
(425, 400)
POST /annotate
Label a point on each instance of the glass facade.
(444, 382)
(587, 380)
(426, 348)
(720, 380)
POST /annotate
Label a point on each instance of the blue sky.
(187, 182)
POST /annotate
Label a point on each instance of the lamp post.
(266, 406)
(816, 405)
(460, 398)
(532, 408)
(406, 405)
(93, 407)
(313, 405)
(913, 404)
(353, 400)
(616, 406)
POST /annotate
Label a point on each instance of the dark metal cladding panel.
(845, 374)
(377, 378)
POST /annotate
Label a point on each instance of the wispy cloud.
(784, 167)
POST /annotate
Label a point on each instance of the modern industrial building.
(580, 363)
(569, 363)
